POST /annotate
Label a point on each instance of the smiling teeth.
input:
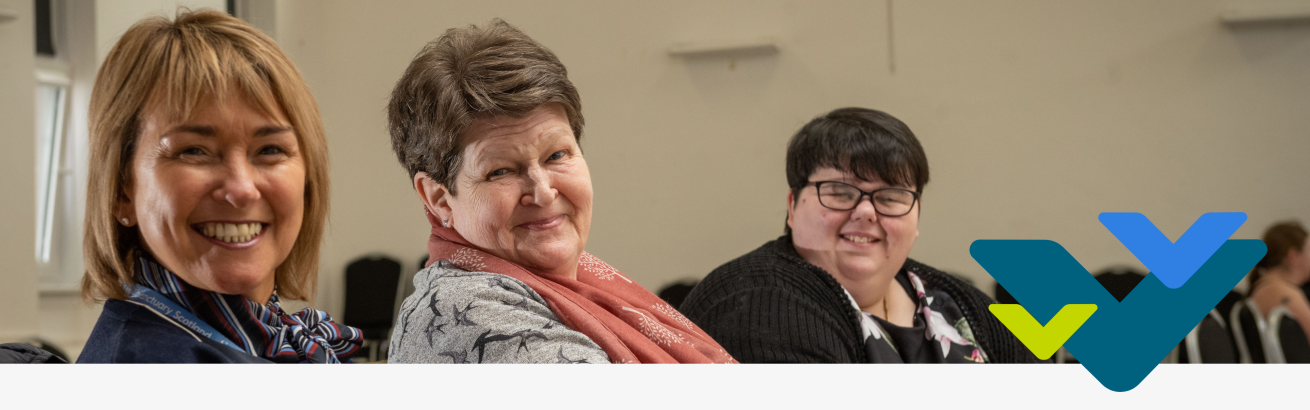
(858, 239)
(232, 233)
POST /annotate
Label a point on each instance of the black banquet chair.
(1208, 342)
(1119, 281)
(1248, 328)
(371, 287)
(1289, 344)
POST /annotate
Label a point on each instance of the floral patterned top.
(940, 333)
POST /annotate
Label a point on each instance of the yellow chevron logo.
(1043, 340)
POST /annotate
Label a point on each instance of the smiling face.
(858, 247)
(218, 198)
(524, 191)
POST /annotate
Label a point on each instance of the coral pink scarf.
(631, 324)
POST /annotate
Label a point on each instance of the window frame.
(50, 165)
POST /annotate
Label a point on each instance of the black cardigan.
(771, 306)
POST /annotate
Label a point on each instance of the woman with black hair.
(838, 286)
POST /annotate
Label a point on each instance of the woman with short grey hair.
(488, 125)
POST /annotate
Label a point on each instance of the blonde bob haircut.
(169, 68)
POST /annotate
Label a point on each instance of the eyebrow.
(201, 130)
(270, 130)
(207, 131)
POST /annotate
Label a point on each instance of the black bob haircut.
(871, 144)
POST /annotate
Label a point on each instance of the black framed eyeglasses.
(840, 196)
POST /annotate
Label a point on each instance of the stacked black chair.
(371, 287)
(27, 353)
(1208, 342)
(1248, 331)
(1061, 356)
(1003, 296)
(1224, 307)
(407, 282)
(1226, 304)
(675, 293)
(1289, 344)
(1119, 281)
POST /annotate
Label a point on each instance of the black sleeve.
(774, 325)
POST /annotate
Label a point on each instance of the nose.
(864, 209)
(539, 192)
(238, 187)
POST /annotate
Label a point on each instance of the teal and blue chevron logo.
(1119, 343)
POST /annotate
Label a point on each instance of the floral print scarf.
(631, 324)
(940, 333)
(266, 331)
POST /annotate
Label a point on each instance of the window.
(60, 98)
(51, 109)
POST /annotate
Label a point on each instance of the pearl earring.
(445, 223)
(126, 222)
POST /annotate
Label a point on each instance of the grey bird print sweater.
(457, 316)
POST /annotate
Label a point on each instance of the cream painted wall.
(1036, 116)
(114, 17)
(18, 165)
(1041, 115)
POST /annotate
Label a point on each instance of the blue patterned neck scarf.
(308, 336)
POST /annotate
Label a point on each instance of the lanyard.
(160, 303)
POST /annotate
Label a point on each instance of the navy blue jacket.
(131, 333)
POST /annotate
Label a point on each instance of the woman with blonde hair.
(207, 200)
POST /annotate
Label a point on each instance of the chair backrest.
(1119, 281)
(1063, 356)
(1003, 296)
(27, 353)
(1226, 304)
(371, 284)
(1209, 341)
(1248, 328)
(1174, 355)
(675, 293)
(407, 282)
(1289, 344)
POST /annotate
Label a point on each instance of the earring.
(445, 223)
(126, 222)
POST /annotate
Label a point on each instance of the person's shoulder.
(130, 333)
(774, 265)
(1275, 287)
(1270, 294)
(463, 316)
(919, 268)
(771, 306)
(935, 277)
(765, 292)
(760, 266)
(455, 284)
